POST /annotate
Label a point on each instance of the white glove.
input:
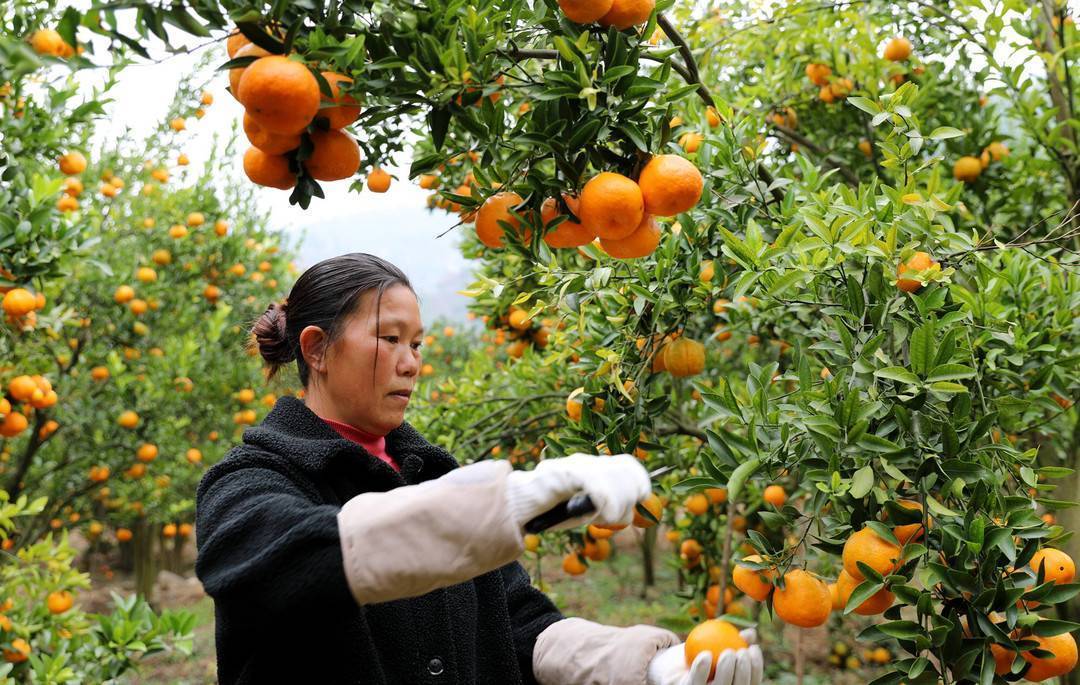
(615, 485)
(735, 667)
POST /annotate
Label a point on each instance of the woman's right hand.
(615, 484)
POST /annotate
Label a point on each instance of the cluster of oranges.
(21, 306)
(282, 101)
(622, 14)
(968, 168)
(34, 392)
(49, 42)
(521, 330)
(616, 212)
(597, 539)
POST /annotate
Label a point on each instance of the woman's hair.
(325, 296)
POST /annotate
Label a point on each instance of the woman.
(342, 547)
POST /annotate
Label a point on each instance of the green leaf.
(944, 133)
(862, 482)
(950, 372)
(1048, 627)
(865, 104)
(863, 592)
(946, 387)
(897, 373)
(739, 476)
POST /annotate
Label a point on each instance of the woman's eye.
(392, 339)
(416, 345)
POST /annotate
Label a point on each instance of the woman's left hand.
(734, 667)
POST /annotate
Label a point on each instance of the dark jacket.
(270, 555)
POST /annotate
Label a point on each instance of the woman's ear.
(313, 347)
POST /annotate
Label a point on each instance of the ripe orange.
(336, 156)
(178, 124)
(911, 531)
(67, 203)
(597, 550)
(626, 13)
(378, 181)
(997, 150)
(48, 42)
(128, 419)
(519, 319)
(495, 209)
(19, 652)
(690, 549)
(818, 73)
(270, 143)
(281, 94)
(876, 604)
(612, 206)
(753, 583)
(14, 423)
(235, 74)
(697, 504)
(654, 506)
(684, 357)
(99, 373)
(123, 535)
(59, 602)
(670, 185)
(585, 11)
(898, 49)
(866, 546)
(1059, 566)
(345, 110)
(573, 565)
(713, 636)
(569, 233)
(268, 170)
(573, 404)
(169, 530)
(212, 293)
(19, 301)
(147, 452)
(920, 261)
(72, 163)
(532, 542)
(967, 169)
(1063, 660)
(775, 495)
(642, 242)
(597, 532)
(691, 141)
(235, 41)
(804, 600)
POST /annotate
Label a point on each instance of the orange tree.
(866, 324)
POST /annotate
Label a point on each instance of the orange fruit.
(18, 301)
(123, 534)
(599, 533)
(691, 141)
(866, 546)
(752, 582)
(336, 156)
(910, 531)
(626, 13)
(569, 233)
(268, 170)
(59, 602)
(19, 652)
(147, 452)
(532, 542)
(585, 11)
(573, 404)
(654, 506)
(378, 181)
(612, 206)
(193, 456)
(1059, 566)
(495, 209)
(344, 110)
(128, 419)
(22, 388)
(14, 423)
(967, 169)
(818, 73)
(270, 143)
(99, 373)
(1063, 660)
(280, 94)
(775, 495)
(804, 600)
(72, 163)
(876, 604)
(684, 357)
(235, 41)
(169, 530)
(716, 495)
(573, 565)
(67, 203)
(898, 49)
(713, 636)
(670, 185)
(697, 504)
(838, 602)
(690, 549)
(596, 550)
(997, 150)
(920, 261)
(641, 243)
(48, 42)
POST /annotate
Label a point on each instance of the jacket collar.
(292, 430)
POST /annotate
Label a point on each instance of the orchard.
(816, 260)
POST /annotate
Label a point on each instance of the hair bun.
(271, 335)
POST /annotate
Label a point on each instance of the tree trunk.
(146, 567)
(648, 546)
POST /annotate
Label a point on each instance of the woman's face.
(369, 373)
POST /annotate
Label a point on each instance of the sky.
(395, 225)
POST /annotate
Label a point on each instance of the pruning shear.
(578, 505)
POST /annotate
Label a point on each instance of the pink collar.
(374, 444)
